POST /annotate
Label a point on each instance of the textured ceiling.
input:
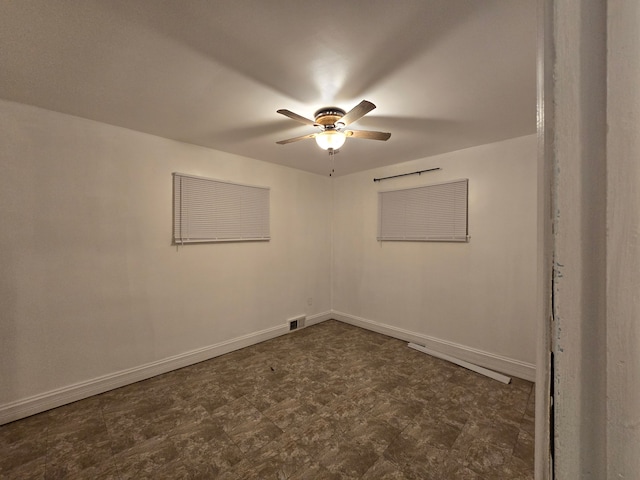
(444, 74)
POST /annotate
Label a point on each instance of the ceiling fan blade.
(357, 112)
(296, 117)
(295, 139)
(368, 134)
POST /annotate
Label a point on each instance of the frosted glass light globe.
(330, 139)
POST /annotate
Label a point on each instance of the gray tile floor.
(330, 401)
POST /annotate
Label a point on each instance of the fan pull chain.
(331, 162)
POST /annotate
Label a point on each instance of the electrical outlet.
(310, 301)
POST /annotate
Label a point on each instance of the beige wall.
(90, 284)
(481, 294)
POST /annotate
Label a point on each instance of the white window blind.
(431, 213)
(207, 210)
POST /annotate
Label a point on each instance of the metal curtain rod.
(404, 174)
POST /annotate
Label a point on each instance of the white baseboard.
(498, 363)
(318, 318)
(61, 396)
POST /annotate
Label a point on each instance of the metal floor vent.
(297, 323)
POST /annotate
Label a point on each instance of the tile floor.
(330, 401)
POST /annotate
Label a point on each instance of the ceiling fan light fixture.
(330, 139)
(331, 121)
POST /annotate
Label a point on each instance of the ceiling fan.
(332, 122)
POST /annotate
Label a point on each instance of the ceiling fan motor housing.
(328, 117)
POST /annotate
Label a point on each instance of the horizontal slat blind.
(207, 210)
(429, 213)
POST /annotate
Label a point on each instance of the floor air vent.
(297, 323)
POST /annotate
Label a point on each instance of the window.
(431, 213)
(207, 210)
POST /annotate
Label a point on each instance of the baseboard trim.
(61, 396)
(318, 318)
(55, 398)
(498, 363)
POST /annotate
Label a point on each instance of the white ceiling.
(444, 74)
